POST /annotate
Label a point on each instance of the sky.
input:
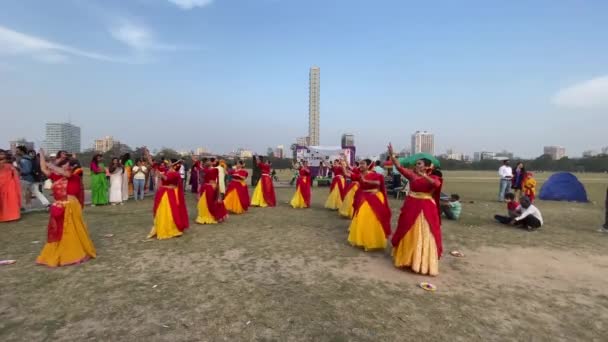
(222, 74)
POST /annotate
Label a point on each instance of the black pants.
(529, 222)
(526, 223)
(503, 219)
(447, 211)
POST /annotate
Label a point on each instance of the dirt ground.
(280, 274)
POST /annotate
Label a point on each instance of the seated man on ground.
(452, 208)
(531, 218)
(513, 209)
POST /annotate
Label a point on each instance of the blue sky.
(481, 75)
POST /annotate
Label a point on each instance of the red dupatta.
(177, 201)
(241, 190)
(382, 210)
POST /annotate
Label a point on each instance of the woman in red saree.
(76, 184)
(417, 240)
(336, 190)
(263, 195)
(211, 209)
(10, 190)
(346, 209)
(68, 240)
(170, 211)
(301, 199)
(237, 194)
(371, 224)
(195, 175)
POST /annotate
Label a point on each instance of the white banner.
(317, 154)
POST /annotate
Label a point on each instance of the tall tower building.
(313, 105)
(556, 152)
(423, 142)
(62, 137)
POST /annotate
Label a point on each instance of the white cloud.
(190, 4)
(590, 94)
(17, 43)
(137, 37)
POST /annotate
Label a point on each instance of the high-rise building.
(314, 95)
(605, 150)
(503, 155)
(200, 151)
(423, 142)
(484, 155)
(303, 141)
(348, 140)
(279, 152)
(62, 137)
(556, 152)
(105, 144)
(450, 154)
(20, 142)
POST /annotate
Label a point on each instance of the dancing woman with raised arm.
(237, 195)
(263, 195)
(336, 190)
(417, 239)
(211, 209)
(371, 224)
(170, 211)
(68, 241)
(301, 199)
(346, 209)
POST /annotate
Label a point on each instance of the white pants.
(34, 188)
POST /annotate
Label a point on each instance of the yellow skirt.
(233, 202)
(366, 230)
(417, 249)
(346, 209)
(257, 200)
(334, 200)
(297, 201)
(164, 225)
(204, 215)
(75, 245)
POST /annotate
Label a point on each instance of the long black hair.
(125, 158)
(427, 162)
(95, 156)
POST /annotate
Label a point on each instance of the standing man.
(182, 172)
(506, 175)
(30, 181)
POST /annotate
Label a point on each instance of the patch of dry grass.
(280, 274)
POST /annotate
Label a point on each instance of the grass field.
(280, 274)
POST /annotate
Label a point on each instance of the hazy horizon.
(225, 74)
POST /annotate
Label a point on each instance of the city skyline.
(420, 141)
(389, 67)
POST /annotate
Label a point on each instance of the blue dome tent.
(563, 186)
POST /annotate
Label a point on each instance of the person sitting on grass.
(531, 218)
(452, 208)
(513, 209)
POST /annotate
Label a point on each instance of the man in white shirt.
(531, 218)
(182, 172)
(506, 175)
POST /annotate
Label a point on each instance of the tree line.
(542, 163)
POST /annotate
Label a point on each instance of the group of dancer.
(416, 240)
